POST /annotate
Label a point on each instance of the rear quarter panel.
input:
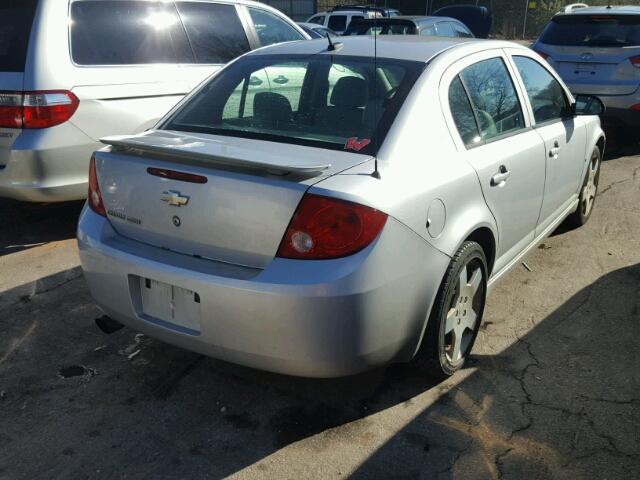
(419, 164)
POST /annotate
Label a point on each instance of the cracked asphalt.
(552, 391)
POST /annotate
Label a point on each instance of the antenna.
(376, 172)
(333, 46)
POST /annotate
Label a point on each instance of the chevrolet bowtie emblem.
(174, 198)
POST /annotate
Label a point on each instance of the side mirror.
(588, 105)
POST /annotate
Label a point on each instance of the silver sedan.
(318, 209)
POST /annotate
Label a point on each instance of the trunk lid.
(238, 216)
(596, 70)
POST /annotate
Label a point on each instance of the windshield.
(334, 102)
(593, 31)
(16, 17)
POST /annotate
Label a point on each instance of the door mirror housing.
(588, 105)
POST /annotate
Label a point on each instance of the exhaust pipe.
(108, 325)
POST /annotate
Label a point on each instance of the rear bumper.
(307, 318)
(618, 108)
(48, 165)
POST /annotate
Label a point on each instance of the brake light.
(94, 196)
(42, 109)
(542, 54)
(636, 107)
(324, 228)
(10, 110)
(175, 175)
(635, 61)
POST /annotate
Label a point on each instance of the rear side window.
(337, 23)
(16, 18)
(593, 31)
(443, 29)
(545, 93)
(461, 31)
(319, 19)
(271, 28)
(121, 32)
(215, 32)
(463, 113)
(493, 97)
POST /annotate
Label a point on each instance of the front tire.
(457, 312)
(588, 191)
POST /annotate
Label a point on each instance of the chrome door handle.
(499, 178)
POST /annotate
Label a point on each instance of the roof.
(613, 10)
(411, 18)
(402, 47)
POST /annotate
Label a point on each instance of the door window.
(215, 32)
(493, 97)
(319, 19)
(428, 31)
(271, 28)
(545, 93)
(124, 32)
(463, 113)
(337, 23)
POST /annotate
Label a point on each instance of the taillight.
(36, 109)
(635, 61)
(324, 228)
(10, 110)
(636, 107)
(94, 195)
(542, 54)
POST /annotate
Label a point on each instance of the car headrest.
(350, 92)
(272, 109)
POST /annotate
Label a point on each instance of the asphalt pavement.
(552, 389)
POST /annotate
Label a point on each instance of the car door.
(563, 134)
(493, 134)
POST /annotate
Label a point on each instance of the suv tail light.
(94, 196)
(36, 109)
(635, 61)
(542, 54)
(636, 107)
(324, 228)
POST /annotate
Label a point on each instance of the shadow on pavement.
(25, 225)
(562, 402)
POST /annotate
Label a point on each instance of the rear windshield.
(593, 31)
(339, 103)
(16, 18)
(381, 28)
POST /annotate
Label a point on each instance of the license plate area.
(167, 305)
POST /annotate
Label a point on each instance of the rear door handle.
(499, 178)
(553, 152)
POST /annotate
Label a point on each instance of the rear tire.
(588, 191)
(456, 314)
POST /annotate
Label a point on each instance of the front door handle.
(499, 178)
(553, 152)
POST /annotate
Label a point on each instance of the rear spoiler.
(209, 151)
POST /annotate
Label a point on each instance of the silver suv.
(73, 71)
(596, 51)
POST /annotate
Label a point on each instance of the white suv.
(73, 71)
(338, 20)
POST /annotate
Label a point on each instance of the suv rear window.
(125, 32)
(593, 31)
(16, 18)
(338, 103)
